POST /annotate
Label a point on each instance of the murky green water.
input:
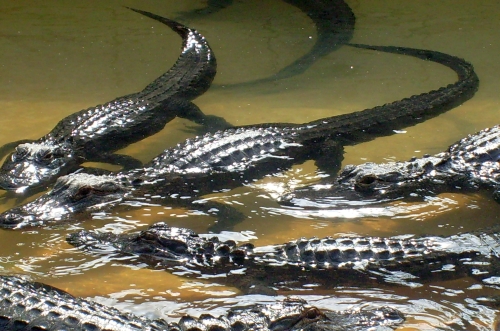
(61, 56)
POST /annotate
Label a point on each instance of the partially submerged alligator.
(26, 305)
(327, 263)
(232, 157)
(470, 164)
(94, 134)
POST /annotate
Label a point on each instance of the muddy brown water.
(60, 56)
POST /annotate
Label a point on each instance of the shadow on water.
(57, 62)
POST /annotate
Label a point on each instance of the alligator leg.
(329, 156)
(190, 111)
(7, 148)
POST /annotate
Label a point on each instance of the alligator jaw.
(72, 194)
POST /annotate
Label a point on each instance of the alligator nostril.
(10, 220)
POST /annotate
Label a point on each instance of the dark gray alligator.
(30, 306)
(470, 164)
(94, 134)
(334, 21)
(327, 263)
(235, 156)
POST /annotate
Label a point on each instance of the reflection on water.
(58, 58)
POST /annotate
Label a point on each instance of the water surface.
(59, 57)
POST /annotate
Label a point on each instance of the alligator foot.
(192, 112)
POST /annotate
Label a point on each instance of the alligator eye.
(366, 183)
(146, 235)
(312, 313)
(45, 156)
(82, 193)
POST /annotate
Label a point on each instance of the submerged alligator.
(94, 134)
(470, 164)
(327, 262)
(30, 306)
(235, 156)
(334, 22)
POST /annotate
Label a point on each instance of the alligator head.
(160, 239)
(33, 164)
(72, 194)
(371, 183)
(162, 244)
(471, 163)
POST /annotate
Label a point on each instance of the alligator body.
(470, 164)
(94, 134)
(29, 306)
(326, 263)
(235, 156)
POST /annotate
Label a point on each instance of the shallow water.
(59, 57)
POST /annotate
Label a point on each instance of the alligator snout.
(11, 220)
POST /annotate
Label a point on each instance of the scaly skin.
(235, 156)
(470, 164)
(326, 262)
(29, 306)
(93, 134)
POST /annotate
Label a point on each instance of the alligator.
(470, 164)
(232, 157)
(26, 305)
(93, 134)
(334, 22)
(327, 262)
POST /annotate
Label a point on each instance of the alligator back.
(274, 146)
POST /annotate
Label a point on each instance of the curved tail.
(367, 124)
(194, 70)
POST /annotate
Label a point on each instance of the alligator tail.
(195, 68)
(384, 120)
(463, 69)
(182, 30)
